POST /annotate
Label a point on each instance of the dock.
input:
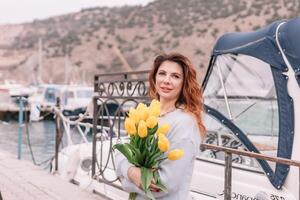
(21, 180)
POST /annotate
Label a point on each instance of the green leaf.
(125, 150)
(149, 142)
(154, 147)
(134, 140)
(134, 149)
(138, 141)
(132, 196)
(146, 178)
(153, 159)
(158, 182)
(149, 194)
(144, 155)
(136, 155)
(151, 131)
(128, 152)
(155, 175)
(142, 143)
(161, 187)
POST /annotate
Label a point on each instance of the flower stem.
(159, 160)
(132, 196)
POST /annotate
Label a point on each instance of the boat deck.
(21, 180)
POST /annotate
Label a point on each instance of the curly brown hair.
(191, 94)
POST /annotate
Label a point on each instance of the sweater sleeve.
(172, 180)
(122, 165)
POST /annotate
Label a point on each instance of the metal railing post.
(95, 121)
(228, 170)
(58, 133)
(20, 130)
(228, 163)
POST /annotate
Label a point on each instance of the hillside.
(98, 40)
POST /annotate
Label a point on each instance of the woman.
(173, 82)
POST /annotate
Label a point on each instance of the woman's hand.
(153, 187)
(134, 174)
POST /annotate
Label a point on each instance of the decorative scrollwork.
(100, 88)
(115, 97)
(122, 88)
(226, 140)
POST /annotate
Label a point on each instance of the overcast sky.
(19, 11)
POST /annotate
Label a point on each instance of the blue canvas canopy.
(262, 44)
(289, 34)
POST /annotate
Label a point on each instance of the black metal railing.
(115, 93)
(228, 163)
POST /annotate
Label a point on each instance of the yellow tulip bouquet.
(148, 146)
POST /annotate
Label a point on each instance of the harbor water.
(40, 137)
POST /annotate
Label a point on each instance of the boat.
(10, 94)
(74, 99)
(252, 103)
(77, 99)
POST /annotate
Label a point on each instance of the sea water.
(40, 136)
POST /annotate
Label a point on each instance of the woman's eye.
(161, 73)
(176, 76)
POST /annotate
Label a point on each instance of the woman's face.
(169, 81)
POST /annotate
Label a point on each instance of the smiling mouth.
(165, 89)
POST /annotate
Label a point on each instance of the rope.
(101, 164)
(71, 122)
(30, 146)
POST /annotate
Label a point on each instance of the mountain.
(101, 40)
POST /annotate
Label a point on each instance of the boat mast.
(40, 62)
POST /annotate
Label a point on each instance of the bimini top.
(262, 44)
(269, 44)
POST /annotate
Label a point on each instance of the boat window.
(242, 89)
(84, 93)
(70, 94)
(220, 135)
(40, 91)
(50, 95)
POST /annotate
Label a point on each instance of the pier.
(21, 180)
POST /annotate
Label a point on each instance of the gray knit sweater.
(176, 175)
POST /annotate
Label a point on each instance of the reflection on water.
(42, 139)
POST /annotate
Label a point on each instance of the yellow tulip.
(142, 129)
(133, 114)
(142, 111)
(163, 129)
(130, 126)
(175, 154)
(151, 122)
(163, 143)
(154, 108)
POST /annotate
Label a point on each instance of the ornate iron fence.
(115, 94)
